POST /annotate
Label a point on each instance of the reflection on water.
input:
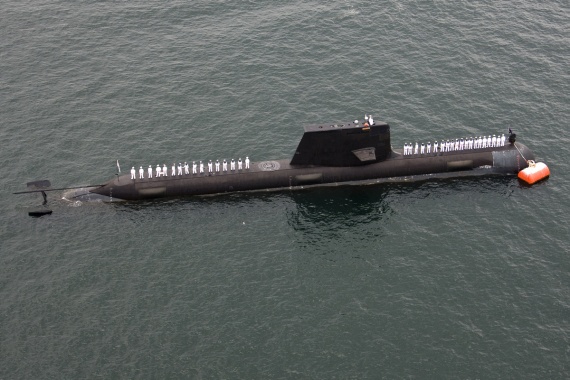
(332, 209)
(321, 220)
(334, 221)
(345, 219)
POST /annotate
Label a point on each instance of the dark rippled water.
(442, 279)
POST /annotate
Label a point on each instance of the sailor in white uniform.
(422, 149)
(141, 173)
(158, 171)
(233, 165)
(461, 144)
(435, 146)
(370, 120)
(502, 140)
(225, 165)
(164, 170)
(428, 149)
(173, 169)
(416, 148)
(194, 171)
(217, 166)
(180, 168)
(210, 167)
(149, 171)
(133, 173)
(246, 162)
(186, 168)
(239, 164)
(201, 167)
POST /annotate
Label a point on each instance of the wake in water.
(350, 11)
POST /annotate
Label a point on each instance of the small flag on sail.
(118, 167)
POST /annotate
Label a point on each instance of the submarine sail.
(349, 144)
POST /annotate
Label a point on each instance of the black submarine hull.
(277, 174)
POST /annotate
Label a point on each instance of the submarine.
(327, 155)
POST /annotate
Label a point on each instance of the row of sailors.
(163, 171)
(458, 144)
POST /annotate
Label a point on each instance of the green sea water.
(463, 278)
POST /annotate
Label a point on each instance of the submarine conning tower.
(348, 144)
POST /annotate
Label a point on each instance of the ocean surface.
(444, 279)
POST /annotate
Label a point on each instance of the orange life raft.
(535, 172)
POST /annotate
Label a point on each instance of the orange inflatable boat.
(535, 172)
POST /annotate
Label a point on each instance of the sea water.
(465, 278)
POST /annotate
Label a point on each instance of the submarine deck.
(273, 174)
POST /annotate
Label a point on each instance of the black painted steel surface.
(340, 140)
